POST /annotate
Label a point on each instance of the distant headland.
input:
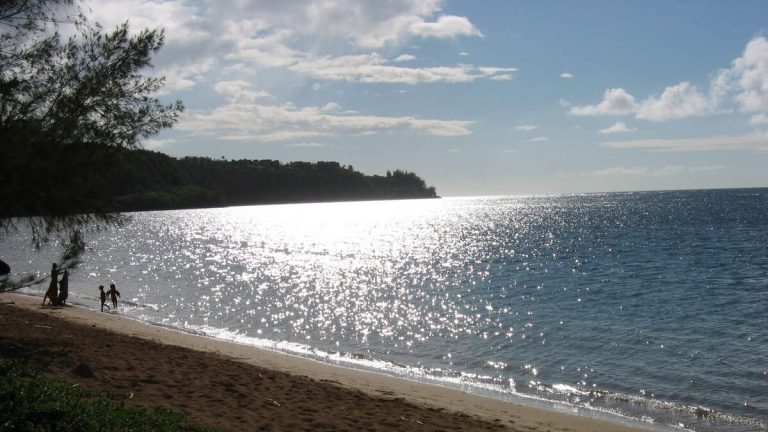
(139, 180)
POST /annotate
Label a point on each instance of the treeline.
(147, 180)
(79, 178)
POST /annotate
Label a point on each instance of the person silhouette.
(113, 295)
(52, 293)
(102, 297)
(4, 268)
(64, 288)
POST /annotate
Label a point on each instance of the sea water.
(650, 305)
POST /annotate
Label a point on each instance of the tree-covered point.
(146, 180)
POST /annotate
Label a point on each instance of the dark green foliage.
(29, 402)
(145, 180)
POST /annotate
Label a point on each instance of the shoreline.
(427, 398)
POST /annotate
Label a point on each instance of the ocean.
(649, 305)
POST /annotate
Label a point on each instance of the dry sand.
(241, 388)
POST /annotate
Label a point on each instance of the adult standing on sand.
(64, 288)
(53, 291)
(4, 268)
(113, 295)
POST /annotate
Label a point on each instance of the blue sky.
(477, 97)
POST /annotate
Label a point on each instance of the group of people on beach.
(58, 290)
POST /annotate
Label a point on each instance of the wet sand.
(234, 387)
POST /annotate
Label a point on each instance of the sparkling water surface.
(652, 305)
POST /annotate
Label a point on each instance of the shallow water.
(651, 305)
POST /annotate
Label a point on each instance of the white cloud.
(365, 68)
(757, 141)
(372, 68)
(540, 139)
(707, 168)
(181, 22)
(619, 170)
(231, 88)
(405, 58)
(491, 71)
(463, 53)
(678, 101)
(181, 75)
(330, 106)
(251, 122)
(363, 24)
(239, 91)
(270, 50)
(237, 87)
(677, 169)
(526, 127)
(744, 85)
(322, 40)
(663, 171)
(446, 26)
(757, 119)
(566, 75)
(616, 101)
(307, 145)
(618, 127)
(750, 72)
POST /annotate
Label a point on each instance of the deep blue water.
(653, 305)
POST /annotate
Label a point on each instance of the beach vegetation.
(32, 402)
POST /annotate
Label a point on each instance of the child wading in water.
(102, 297)
(113, 295)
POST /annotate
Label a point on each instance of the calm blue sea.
(652, 305)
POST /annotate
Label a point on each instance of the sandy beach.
(241, 388)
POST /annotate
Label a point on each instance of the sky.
(477, 97)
